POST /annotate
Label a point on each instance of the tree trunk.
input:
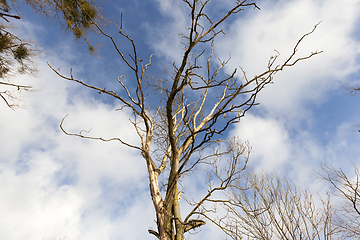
(179, 226)
(157, 202)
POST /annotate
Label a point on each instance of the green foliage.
(17, 54)
(3, 71)
(78, 33)
(91, 49)
(5, 42)
(88, 13)
(79, 16)
(21, 52)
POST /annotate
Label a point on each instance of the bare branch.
(95, 138)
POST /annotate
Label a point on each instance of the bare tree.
(178, 119)
(266, 206)
(347, 188)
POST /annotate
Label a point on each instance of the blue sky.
(54, 185)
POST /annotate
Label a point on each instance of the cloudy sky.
(55, 186)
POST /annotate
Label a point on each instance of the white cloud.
(252, 39)
(54, 185)
(165, 40)
(269, 141)
(33, 207)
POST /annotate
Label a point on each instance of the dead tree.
(266, 206)
(348, 217)
(178, 117)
